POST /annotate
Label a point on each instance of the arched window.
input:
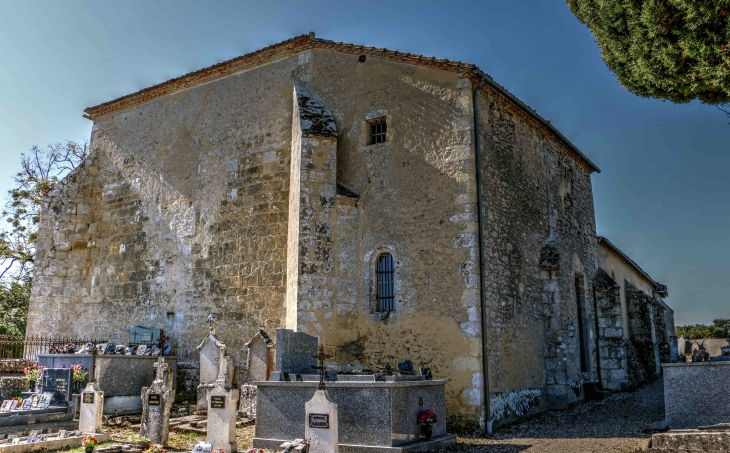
(386, 283)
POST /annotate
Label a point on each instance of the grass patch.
(183, 441)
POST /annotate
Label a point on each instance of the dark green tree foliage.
(41, 171)
(14, 308)
(675, 50)
(720, 328)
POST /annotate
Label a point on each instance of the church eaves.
(306, 42)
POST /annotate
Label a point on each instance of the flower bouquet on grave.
(426, 420)
(79, 376)
(90, 442)
(34, 374)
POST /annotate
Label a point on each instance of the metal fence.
(18, 352)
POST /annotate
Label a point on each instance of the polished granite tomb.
(373, 416)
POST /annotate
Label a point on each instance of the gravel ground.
(615, 424)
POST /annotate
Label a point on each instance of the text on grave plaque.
(218, 402)
(153, 399)
(319, 421)
(88, 398)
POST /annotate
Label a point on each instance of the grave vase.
(88, 449)
(32, 386)
(427, 430)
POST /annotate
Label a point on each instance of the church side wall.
(417, 202)
(182, 212)
(532, 190)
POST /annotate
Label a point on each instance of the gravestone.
(295, 353)
(156, 402)
(92, 407)
(259, 357)
(211, 349)
(321, 424)
(222, 406)
(143, 335)
(406, 368)
(58, 382)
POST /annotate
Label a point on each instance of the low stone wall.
(695, 394)
(10, 385)
(713, 346)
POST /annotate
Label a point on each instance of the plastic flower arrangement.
(90, 442)
(78, 373)
(33, 372)
(427, 417)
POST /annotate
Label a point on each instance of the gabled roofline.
(628, 261)
(303, 43)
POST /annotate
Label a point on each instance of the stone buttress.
(312, 213)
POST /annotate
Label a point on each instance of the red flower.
(427, 416)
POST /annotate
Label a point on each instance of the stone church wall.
(180, 211)
(534, 194)
(416, 200)
(186, 207)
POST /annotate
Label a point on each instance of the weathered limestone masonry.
(643, 335)
(612, 346)
(536, 195)
(647, 321)
(251, 190)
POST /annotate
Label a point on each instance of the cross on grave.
(211, 322)
(223, 360)
(320, 357)
(160, 369)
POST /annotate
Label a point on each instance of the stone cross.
(211, 322)
(160, 369)
(224, 361)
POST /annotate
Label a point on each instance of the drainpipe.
(482, 270)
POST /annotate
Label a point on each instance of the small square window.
(378, 129)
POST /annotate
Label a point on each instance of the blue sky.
(661, 196)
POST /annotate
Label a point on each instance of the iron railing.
(18, 352)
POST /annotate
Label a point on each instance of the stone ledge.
(53, 444)
(351, 384)
(693, 364)
(433, 444)
(681, 440)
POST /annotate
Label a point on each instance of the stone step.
(690, 440)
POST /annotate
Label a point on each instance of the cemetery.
(298, 399)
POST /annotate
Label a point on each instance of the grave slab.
(372, 416)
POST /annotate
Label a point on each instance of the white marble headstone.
(320, 424)
(92, 407)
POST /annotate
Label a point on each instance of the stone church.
(396, 206)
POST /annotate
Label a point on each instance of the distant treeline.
(720, 328)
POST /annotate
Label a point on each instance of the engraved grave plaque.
(319, 421)
(153, 399)
(218, 402)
